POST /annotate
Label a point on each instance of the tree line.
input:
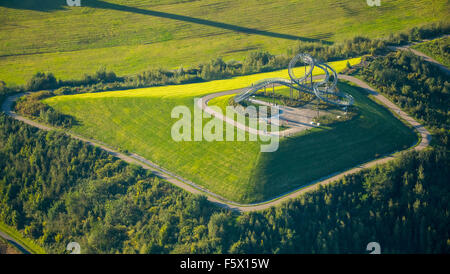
(32, 105)
(418, 87)
(255, 62)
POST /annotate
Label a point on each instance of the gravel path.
(421, 54)
(215, 198)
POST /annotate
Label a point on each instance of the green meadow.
(131, 36)
(139, 121)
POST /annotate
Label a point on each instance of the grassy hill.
(139, 121)
(130, 36)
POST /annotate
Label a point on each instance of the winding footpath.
(187, 185)
(217, 199)
(203, 104)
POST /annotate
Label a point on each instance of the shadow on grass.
(50, 5)
(300, 160)
(111, 6)
(41, 5)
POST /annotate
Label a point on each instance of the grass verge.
(30, 245)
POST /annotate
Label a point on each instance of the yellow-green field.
(134, 35)
(140, 121)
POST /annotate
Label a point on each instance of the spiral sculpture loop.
(325, 90)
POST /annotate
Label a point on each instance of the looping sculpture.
(325, 90)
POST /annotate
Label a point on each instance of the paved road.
(203, 103)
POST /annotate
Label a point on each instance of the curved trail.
(423, 55)
(16, 244)
(426, 58)
(212, 197)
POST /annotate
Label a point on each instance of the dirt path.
(196, 189)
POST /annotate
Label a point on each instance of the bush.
(41, 81)
(32, 106)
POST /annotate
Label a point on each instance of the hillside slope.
(139, 121)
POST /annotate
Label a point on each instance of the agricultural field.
(131, 36)
(139, 121)
(438, 49)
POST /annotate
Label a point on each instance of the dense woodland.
(56, 190)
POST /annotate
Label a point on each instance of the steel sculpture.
(325, 90)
